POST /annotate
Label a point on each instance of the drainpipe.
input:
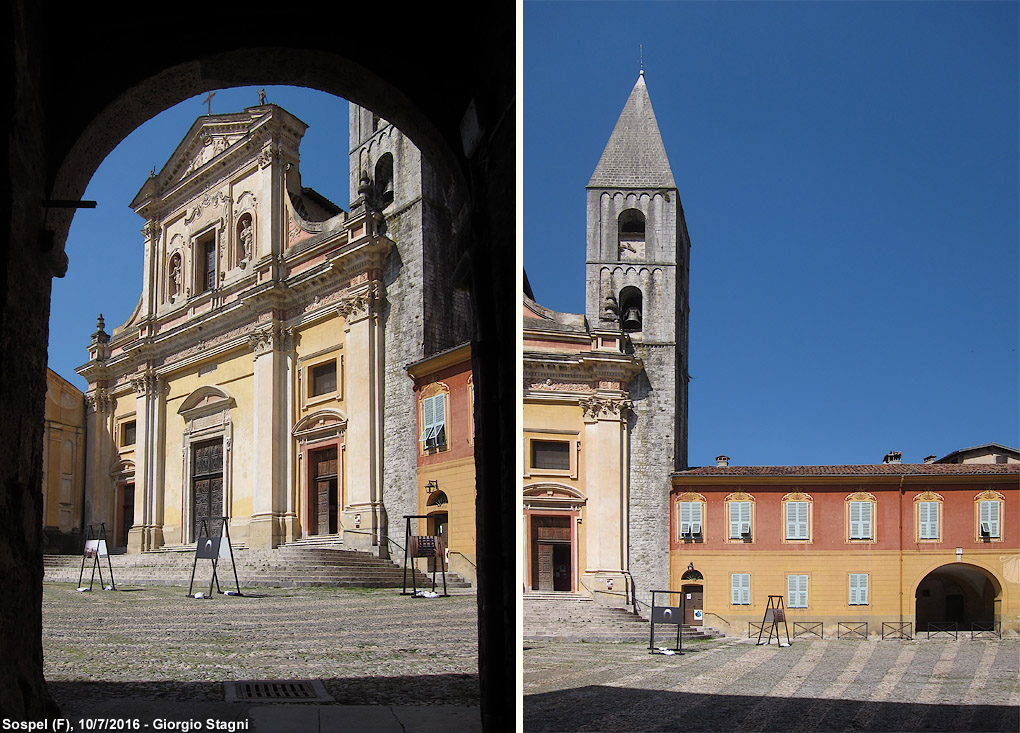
(902, 494)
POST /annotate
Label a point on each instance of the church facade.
(605, 393)
(262, 376)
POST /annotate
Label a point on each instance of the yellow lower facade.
(901, 587)
(452, 518)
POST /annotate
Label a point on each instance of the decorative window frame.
(805, 590)
(861, 497)
(198, 258)
(798, 497)
(692, 536)
(305, 365)
(431, 392)
(568, 436)
(740, 497)
(122, 422)
(993, 496)
(928, 497)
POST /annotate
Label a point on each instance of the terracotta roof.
(634, 157)
(866, 469)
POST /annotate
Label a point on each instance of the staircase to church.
(570, 617)
(312, 562)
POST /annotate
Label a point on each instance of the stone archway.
(957, 593)
(61, 129)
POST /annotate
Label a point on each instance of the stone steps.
(569, 617)
(303, 564)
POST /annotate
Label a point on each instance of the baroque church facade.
(262, 375)
(605, 393)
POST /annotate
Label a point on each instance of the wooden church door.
(207, 483)
(326, 493)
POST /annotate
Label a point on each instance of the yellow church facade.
(251, 380)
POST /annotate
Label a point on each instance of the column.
(147, 530)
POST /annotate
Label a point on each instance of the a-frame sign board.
(667, 615)
(775, 613)
(96, 547)
(422, 546)
(215, 548)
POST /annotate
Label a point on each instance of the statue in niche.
(247, 235)
(175, 276)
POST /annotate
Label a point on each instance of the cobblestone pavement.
(369, 647)
(735, 685)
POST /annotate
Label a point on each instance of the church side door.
(325, 493)
(207, 483)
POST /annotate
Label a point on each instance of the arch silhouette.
(60, 131)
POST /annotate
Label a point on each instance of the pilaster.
(605, 441)
(363, 517)
(147, 530)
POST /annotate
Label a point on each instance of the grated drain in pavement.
(277, 691)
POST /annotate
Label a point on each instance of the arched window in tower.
(384, 180)
(245, 238)
(630, 309)
(631, 242)
(174, 276)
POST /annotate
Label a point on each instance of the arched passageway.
(81, 87)
(956, 593)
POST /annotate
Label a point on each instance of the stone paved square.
(813, 685)
(369, 647)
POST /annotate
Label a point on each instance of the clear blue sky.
(849, 177)
(105, 245)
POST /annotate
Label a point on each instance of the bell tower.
(637, 282)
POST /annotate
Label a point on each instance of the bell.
(632, 319)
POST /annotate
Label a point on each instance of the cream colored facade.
(576, 458)
(249, 381)
(63, 464)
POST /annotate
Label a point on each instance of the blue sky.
(849, 177)
(104, 245)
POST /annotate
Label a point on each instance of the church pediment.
(320, 424)
(205, 401)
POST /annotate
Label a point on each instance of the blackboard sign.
(667, 615)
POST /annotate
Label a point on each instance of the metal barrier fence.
(896, 630)
(994, 629)
(852, 630)
(808, 628)
(942, 627)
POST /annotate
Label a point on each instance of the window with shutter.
(796, 591)
(928, 520)
(989, 518)
(797, 520)
(860, 520)
(858, 589)
(740, 519)
(689, 518)
(740, 589)
(433, 433)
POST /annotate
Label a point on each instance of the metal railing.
(852, 630)
(994, 629)
(943, 627)
(896, 630)
(808, 628)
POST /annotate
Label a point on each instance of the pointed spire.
(634, 157)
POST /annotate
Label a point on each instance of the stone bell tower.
(637, 281)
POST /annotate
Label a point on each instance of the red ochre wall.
(895, 560)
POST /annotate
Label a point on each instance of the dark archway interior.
(955, 593)
(84, 78)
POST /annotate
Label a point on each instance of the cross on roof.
(208, 101)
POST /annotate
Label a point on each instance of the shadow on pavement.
(613, 708)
